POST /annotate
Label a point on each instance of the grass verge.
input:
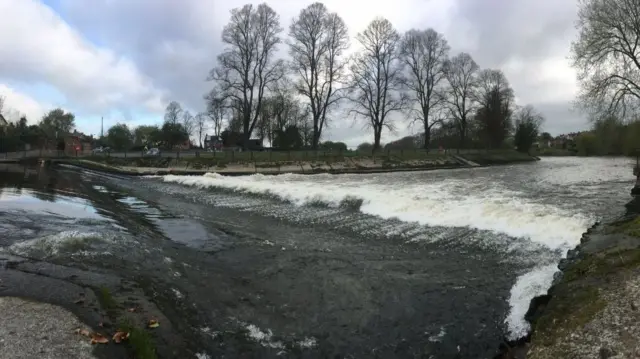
(139, 341)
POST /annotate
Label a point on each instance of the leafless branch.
(424, 53)
(318, 42)
(247, 68)
(461, 74)
(607, 57)
(376, 77)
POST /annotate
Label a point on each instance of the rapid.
(439, 263)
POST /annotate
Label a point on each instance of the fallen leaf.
(97, 338)
(153, 323)
(120, 336)
(84, 332)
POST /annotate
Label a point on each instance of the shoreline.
(593, 295)
(362, 166)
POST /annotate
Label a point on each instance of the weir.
(465, 161)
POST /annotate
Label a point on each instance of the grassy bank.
(592, 310)
(326, 163)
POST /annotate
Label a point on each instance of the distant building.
(213, 143)
(3, 121)
(78, 142)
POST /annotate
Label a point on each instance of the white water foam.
(52, 245)
(443, 203)
(527, 287)
(449, 203)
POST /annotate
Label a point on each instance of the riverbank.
(591, 310)
(344, 165)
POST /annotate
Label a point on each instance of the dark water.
(436, 264)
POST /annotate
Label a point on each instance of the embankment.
(592, 308)
(345, 165)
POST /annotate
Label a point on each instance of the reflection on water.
(31, 191)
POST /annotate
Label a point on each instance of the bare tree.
(216, 110)
(607, 57)
(188, 122)
(200, 123)
(173, 113)
(318, 42)
(247, 66)
(460, 72)
(495, 98)
(376, 77)
(2, 100)
(424, 52)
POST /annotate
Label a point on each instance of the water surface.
(439, 263)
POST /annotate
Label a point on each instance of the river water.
(438, 264)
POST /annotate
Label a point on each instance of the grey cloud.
(528, 29)
(175, 44)
(561, 118)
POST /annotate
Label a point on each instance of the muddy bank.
(591, 310)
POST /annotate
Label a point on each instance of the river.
(440, 264)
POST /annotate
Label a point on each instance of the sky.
(124, 60)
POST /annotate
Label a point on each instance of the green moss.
(565, 314)
(631, 227)
(107, 301)
(602, 264)
(140, 340)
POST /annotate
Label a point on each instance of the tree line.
(289, 101)
(412, 75)
(610, 136)
(51, 128)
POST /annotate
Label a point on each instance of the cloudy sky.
(125, 59)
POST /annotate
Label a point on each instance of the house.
(3, 121)
(213, 143)
(77, 142)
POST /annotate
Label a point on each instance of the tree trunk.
(463, 134)
(377, 132)
(316, 137)
(427, 135)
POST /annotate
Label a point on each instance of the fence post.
(125, 153)
(233, 155)
(251, 155)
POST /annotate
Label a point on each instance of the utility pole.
(101, 127)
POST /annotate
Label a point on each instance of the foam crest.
(450, 203)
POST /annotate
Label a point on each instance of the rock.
(573, 254)
(562, 265)
(557, 277)
(634, 305)
(536, 307)
(584, 238)
(606, 353)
